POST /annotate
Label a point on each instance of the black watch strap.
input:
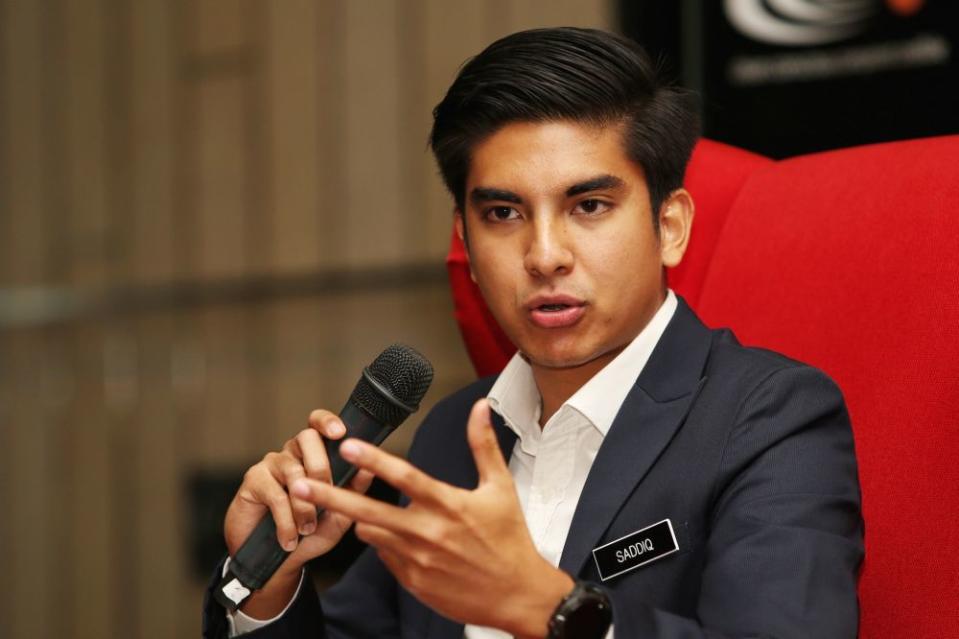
(585, 613)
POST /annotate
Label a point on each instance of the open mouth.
(557, 314)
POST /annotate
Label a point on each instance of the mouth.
(552, 308)
(555, 312)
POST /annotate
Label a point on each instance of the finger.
(382, 539)
(359, 508)
(360, 484)
(304, 513)
(394, 563)
(313, 453)
(482, 440)
(397, 472)
(361, 481)
(265, 489)
(327, 424)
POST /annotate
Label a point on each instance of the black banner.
(783, 77)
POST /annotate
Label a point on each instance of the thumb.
(483, 443)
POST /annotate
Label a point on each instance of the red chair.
(847, 260)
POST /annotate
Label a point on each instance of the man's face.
(562, 242)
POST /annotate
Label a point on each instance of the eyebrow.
(482, 194)
(595, 184)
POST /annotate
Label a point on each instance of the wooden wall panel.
(153, 141)
(332, 136)
(530, 14)
(31, 506)
(158, 564)
(24, 261)
(122, 393)
(220, 180)
(8, 447)
(413, 115)
(23, 246)
(87, 122)
(88, 493)
(58, 383)
(189, 356)
(6, 219)
(303, 366)
(292, 93)
(262, 365)
(221, 435)
(372, 153)
(219, 26)
(144, 142)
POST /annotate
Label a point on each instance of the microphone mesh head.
(404, 377)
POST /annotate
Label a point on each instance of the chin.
(558, 359)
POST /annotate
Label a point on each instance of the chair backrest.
(847, 260)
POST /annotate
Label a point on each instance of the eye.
(501, 214)
(593, 207)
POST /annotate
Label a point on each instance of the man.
(634, 460)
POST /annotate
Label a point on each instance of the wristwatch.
(585, 613)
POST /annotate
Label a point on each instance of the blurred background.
(214, 213)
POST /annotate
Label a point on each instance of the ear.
(675, 225)
(460, 222)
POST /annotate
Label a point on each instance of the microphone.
(389, 390)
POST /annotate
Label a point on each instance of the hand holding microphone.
(263, 522)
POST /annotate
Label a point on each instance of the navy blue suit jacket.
(749, 455)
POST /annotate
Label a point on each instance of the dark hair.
(566, 73)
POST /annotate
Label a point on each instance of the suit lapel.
(651, 414)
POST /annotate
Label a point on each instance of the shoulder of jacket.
(751, 367)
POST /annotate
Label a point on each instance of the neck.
(556, 385)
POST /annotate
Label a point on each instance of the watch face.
(589, 621)
(585, 614)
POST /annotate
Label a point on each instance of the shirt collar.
(515, 396)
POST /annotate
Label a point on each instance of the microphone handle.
(261, 553)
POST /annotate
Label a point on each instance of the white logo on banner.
(800, 22)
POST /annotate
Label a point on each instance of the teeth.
(553, 307)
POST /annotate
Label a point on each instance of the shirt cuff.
(240, 623)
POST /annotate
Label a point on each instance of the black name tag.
(635, 550)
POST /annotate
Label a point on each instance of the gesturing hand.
(467, 554)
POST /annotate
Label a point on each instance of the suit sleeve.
(361, 605)
(786, 534)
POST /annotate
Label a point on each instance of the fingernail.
(289, 545)
(308, 529)
(337, 429)
(300, 488)
(350, 450)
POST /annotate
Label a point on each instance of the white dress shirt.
(550, 464)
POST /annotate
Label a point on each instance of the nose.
(548, 252)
